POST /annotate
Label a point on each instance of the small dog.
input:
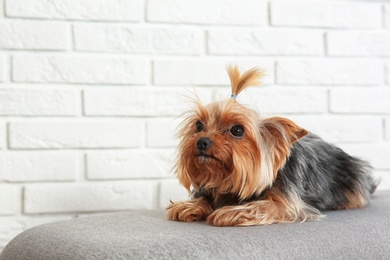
(245, 170)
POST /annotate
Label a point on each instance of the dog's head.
(226, 146)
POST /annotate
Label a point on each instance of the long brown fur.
(274, 208)
(239, 81)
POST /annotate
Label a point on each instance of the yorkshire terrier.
(244, 170)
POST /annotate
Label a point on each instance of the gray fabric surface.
(146, 234)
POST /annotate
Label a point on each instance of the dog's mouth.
(203, 158)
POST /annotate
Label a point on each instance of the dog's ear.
(283, 130)
(280, 134)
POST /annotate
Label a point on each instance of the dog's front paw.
(193, 210)
(230, 216)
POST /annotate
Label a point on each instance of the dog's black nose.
(203, 143)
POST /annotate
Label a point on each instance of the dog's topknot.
(242, 81)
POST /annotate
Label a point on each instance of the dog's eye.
(237, 131)
(199, 127)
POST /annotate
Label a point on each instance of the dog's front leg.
(264, 212)
(192, 210)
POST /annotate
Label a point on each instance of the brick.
(326, 14)
(376, 154)
(137, 101)
(387, 128)
(34, 35)
(228, 12)
(9, 199)
(330, 72)
(171, 190)
(265, 42)
(2, 68)
(75, 134)
(78, 69)
(387, 15)
(203, 71)
(384, 177)
(1, 13)
(343, 129)
(360, 100)
(358, 43)
(159, 40)
(39, 102)
(129, 164)
(286, 100)
(3, 135)
(11, 226)
(388, 73)
(161, 132)
(57, 198)
(28, 167)
(99, 10)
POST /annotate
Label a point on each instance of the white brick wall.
(90, 91)
(135, 101)
(358, 43)
(288, 100)
(32, 35)
(49, 198)
(171, 190)
(161, 133)
(77, 134)
(387, 15)
(265, 42)
(326, 14)
(36, 167)
(3, 136)
(78, 69)
(216, 12)
(2, 67)
(360, 100)
(95, 10)
(39, 102)
(9, 199)
(341, 71)
(201, 71)
(387, 128)
(344, 129)
(388, 73)
(137, 39)
(129, 164)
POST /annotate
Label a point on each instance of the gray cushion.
(146, 234)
